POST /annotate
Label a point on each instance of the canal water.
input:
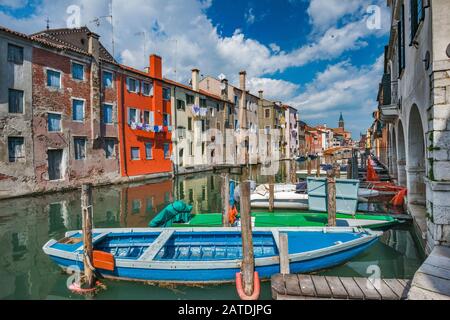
(26, 224)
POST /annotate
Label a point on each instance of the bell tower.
(341, 122)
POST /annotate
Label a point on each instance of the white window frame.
(112, 77)
(112, 113)
(60, 125)
(137, 115)
(151, 150)
(113, 156)
(72, 62)
(138, 85)
(151, 93)
(131, 154)
(84, 109)
(46, 78)
(85, 147)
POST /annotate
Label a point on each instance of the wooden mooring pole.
(293, 172)
(271, 193)
(284, 253)
(318, 167)
(248, 259)
(86, 211)
(308, 166)
(349, 169)
(225, 199)
(331, 197)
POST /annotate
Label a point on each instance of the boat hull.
(223, 275)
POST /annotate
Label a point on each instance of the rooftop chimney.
(242, 80)
(195, 79)
(224, 89)
(261, 94)
(94, 45)
(155, 70)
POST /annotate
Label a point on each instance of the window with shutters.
(189, 123)
(166, 94)
(107, 113)
(77, 71)
(417, 14)
(79, 145)
(166, 119)
(53, 79)
(110, 148)
(77, 110)
(190, 99)
(149, 151)
(203, 103)
(15, 54)
(401, 40)
(132, 85)
(16, 149)
(132, 115)
(147, 89)
(135, 153)
(267, 113)
(15, 101)
(166, 151)
(107, 79)
(181, 105)
(54, 122)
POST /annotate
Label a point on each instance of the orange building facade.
(144, 113)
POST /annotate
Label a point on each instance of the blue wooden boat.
(209, 255)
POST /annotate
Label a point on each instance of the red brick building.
(144, 121)
(74, 111)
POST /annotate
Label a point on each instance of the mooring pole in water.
(331, 197)
(86, 211)
(293, 172)
(308, 166)
(350, 169)
(318, 167)
(226, 199)
(271, 193)
(248, 259)
(284, 253)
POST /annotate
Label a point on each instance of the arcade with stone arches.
(407, 159)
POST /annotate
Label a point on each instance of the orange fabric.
(399, 198)
(103, 260)
(371, 173)
(385, 186)
(232, 214)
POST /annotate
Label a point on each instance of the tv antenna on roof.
(48, 23)
(96, 21)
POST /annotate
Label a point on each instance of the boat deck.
(307, 287)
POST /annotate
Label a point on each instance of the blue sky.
(319, 56)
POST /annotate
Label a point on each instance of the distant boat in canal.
(295, 197)
(207, 255)
(294, 219)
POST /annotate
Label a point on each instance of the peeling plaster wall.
(96, 168)
(16, 178)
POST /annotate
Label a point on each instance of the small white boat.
(286, 197)
(282, 200)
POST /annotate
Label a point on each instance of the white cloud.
(183, 35)
(273, 88)
(341, 87)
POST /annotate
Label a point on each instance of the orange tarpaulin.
(371, 173)
(399, 198)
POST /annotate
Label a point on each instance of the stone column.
(401, 172)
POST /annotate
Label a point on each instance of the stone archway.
(416, 158)
(401, 155)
